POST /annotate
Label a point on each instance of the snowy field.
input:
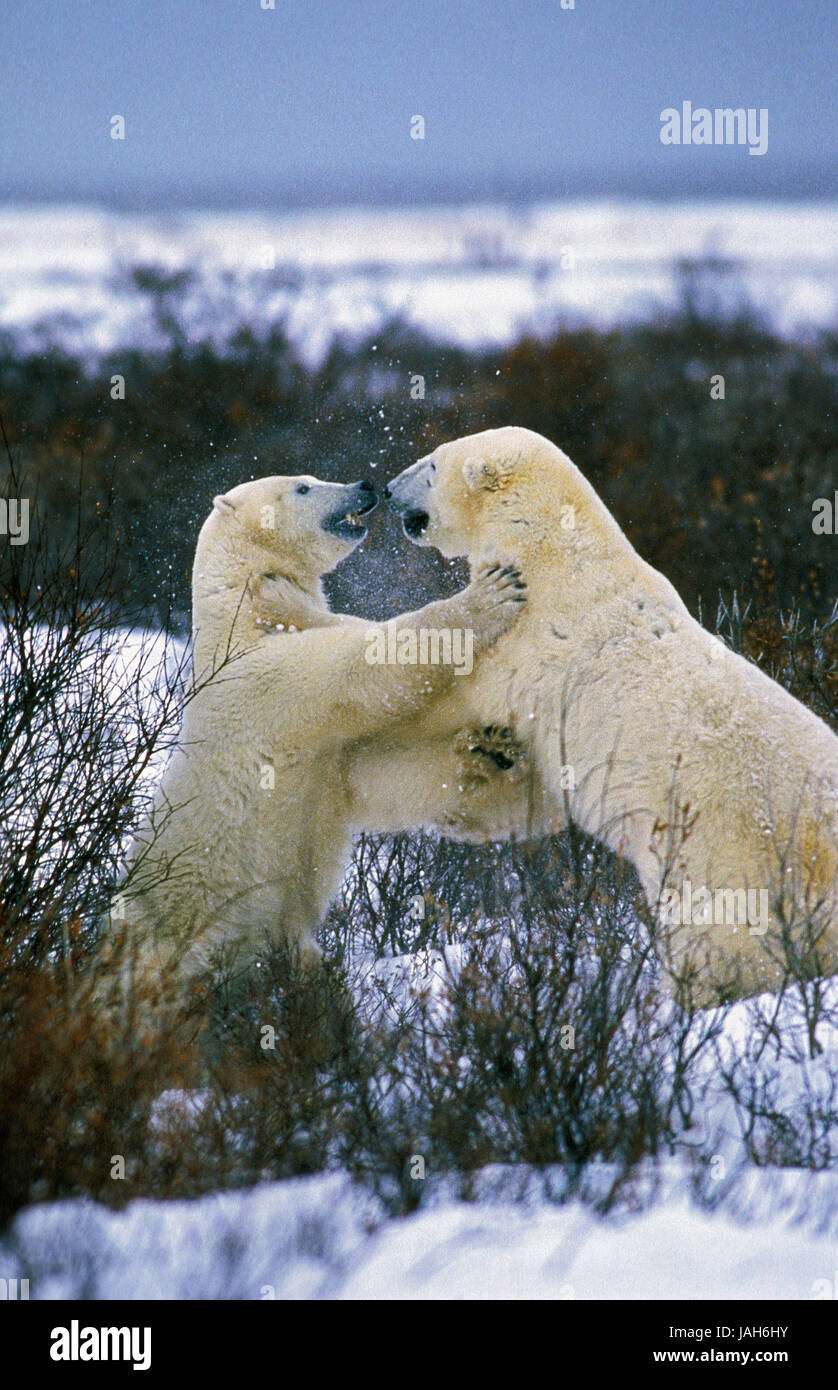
(320, 1237)
(471, 275)
(773, 1236)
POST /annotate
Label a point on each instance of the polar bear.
(251, 828)
(719, 786)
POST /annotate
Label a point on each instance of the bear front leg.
(488, 608)
(390, 670)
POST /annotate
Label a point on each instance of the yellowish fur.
(686, 758)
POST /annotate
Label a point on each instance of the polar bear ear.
(479, 473)
(487, 474)
(222, 504)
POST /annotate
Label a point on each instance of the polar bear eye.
(303, 487)
(270, 576)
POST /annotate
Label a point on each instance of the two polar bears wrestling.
(254, 820)
(718, 786)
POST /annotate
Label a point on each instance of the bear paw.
(498, 593)
(489, 753)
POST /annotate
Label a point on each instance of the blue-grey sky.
(229, 103)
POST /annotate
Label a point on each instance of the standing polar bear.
(719, 786)
(252, 824)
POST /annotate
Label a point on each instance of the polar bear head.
(298, 527)
(506, 491)
(262, 551)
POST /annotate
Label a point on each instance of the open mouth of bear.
(414, 523)
(348, 524)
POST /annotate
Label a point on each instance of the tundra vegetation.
(507, 1001)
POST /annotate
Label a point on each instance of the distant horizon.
(91, 277)
(800, 185)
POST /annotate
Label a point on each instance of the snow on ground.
(466, 1251)
(473, 275)
(775, 1236)
(292, 1236)
(321, 1237)
(128, 670)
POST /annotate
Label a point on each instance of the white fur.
(253, 822)
(664, 727)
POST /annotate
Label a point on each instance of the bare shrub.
(801, 655)
(542, 1034)
(508, 1000)
(87, 712)
(535, 1037)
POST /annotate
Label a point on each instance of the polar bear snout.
(414, 519)
(358, 500)
(408, 497)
